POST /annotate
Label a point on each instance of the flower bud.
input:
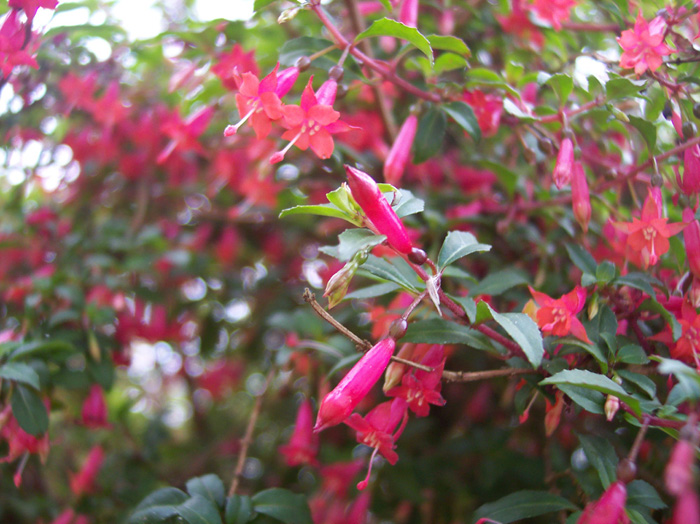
(337, 405)
(395, 370)
(690, 183)
(366, 193)
(286, 80)
(691, 235)
(609, 509)
(303, 444)
(612, 405)
(580, 197)
(337, 285)
(94, 411)
(565, 163)
(678, 475)
(409, 13)
(326, 93)
(397, 158)
(687, 509)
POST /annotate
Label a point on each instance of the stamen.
(277, 157)
(232, 129)
(363, 483)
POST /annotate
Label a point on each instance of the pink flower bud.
(286, 80)
(326, 93)
(678, 474)
(609, 509)
(400, 151)
(94, 412)
(691, 235)
(366, 193)
(303, 445)
(563, 169)
(687, 509)
(690, 183)
(83, 481)
(339, 403)
(580, 197)
(409, 13)
(612, 405)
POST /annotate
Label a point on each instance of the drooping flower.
(609, 509)
(396, 160)
(229, 67)
(184, 133)
(689, 184)
(487, 109)
(643, 47)
(687, 508)
(649, 235)
(13, 51)
(303, 444)
(83, 482)
(564, 167)
(408, 15)
(691, 236)
(687, 347)
(310, 124)
(558, 316)
(580, 197)
(678, 474)
(518, 22)
(376, 428)
(94, 411)
(337, 405)
(421, 388)
(553, 12)
(366, 193)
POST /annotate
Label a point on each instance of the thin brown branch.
(475, 376)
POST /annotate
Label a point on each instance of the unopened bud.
(689, 130)
(338, 284)
(395, 370)
(678, 475)
(563, 169)
(303, 63)
(398, 328)
(336, 73)
(668, 110)
(626, 471)
(417, 256)
(612, 405)
(288, 14)
(545, 145)
(580, 197)
(342, 91)
(400, 152)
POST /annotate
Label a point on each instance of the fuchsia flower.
(643, 47)
(337, 405)
(689, 184)
(421, 388)
(687, 509)
(687, 347)
(83, 482)
(94, 412)
(553, 11)
(366, 193)
(30, 7)
(409, 13)
(564, 167)
(20, 443)
(303, 445)
(397, 158)
(311, 124)
(487, 109)
(649, 235)
(229, 67)
(691, 236)
(557, 316)
(184, 133)
(678, 475)
(375, 430)
(609, 509)
(13, 51)
(580, 197)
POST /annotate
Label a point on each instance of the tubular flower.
(580, 197)
(258, 101)
(557, 316)
(609, 509)
(94, 411)
(397, 158)
(687, 348)
(678, 475)
(83, 481)
(421, 388)
(643, 47)
(649, 235)
(366, 193)
(30, 7)
(375, 430)
(303, 445)
(689, 184)
(310, 124)
(687, 509)
(409, 13)
(487, 109)
(337, 405)
(563, 169)
(691, 235)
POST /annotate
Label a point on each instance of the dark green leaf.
(632, 354)
(344, 363)
(352, 241)
(582, 258)
(158, 507)
(283, 505)
(590, 400)
(199, 510)
(524, 331)
(208, 486)
(239, 509)
(389, 27)
(440, 331)
(641, 493)
(162, 497)
(449, 43)
(29, 410)
(605, 272)
(463, 114)
(430, 135)
(397, 271)
(651, 304)
(469, 306)
(458, 244)
(641, 382)
(601, 455)
(522, 505)
(499, 282)
(20, 373)
(52, 349)
(641, 281)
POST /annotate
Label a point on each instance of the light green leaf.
(449, 43)
(404, 202)
(20, 373)
(463, 114)
(397, 271)
(458, 244)
(58, 349)
(521, 505)
(351, 241)
(389, 27)
(561, 83)
(582, 258)
(646, 129)
(283, 505)
(326, 210)
(616, 88)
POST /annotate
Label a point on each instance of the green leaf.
(283, 505)
(601, 455)
(632, 354)
(389, 27)
(605, 272)
(499, 282)
(158, 507)
(449, 43)
(641, 493)
(375, 290)
(153, 515)
(590, 380)
(468, 305)
(458, 244)
(524, 331)
(199, 510)
(651, 304)
(641, 382)
(352, 241)
(646, 129)
(623, 88)
(582, 258)
(641, 281)
(326, 210)
(561, 83)
(463, 114)
(513, 109)
(239, 509)
(590, 400)
(448, 62)
(688, 379)
(430, 135)
(397, 271)
(441, 331)
(29, 410)
(208, 486)
(521, 505)
(20, 373)
(259, 4)
(405, 203)
(52, 349)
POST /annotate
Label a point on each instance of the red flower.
(375, 430)
(557, 316)
(687, 347)
(487, 109)
(580, 197)
(30, 7)
(643, 47)
(689, 184)
(310, 124)
(303, 445)
(12, 45)
(83, 481)
(421, 388)
(183, 134)
(553, 11)
(649, 235)
(230, 66)
(609, 509)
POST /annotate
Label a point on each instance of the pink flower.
(643, 47)
(678, 475)
(184, 133)
(553, 11)
(687, 509)
(690, 183)
(421, 388)
(229, 67)
(691, 236)
(580, 197)
(83, 482)
(94, 412)
(30, 7)
(366, 193)
(609, 509)
(303, 445)
(487, 109)
(564, 167)
(409, 13)
(401, 150)
(375, 430)
(337, 405)
(557, 316)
